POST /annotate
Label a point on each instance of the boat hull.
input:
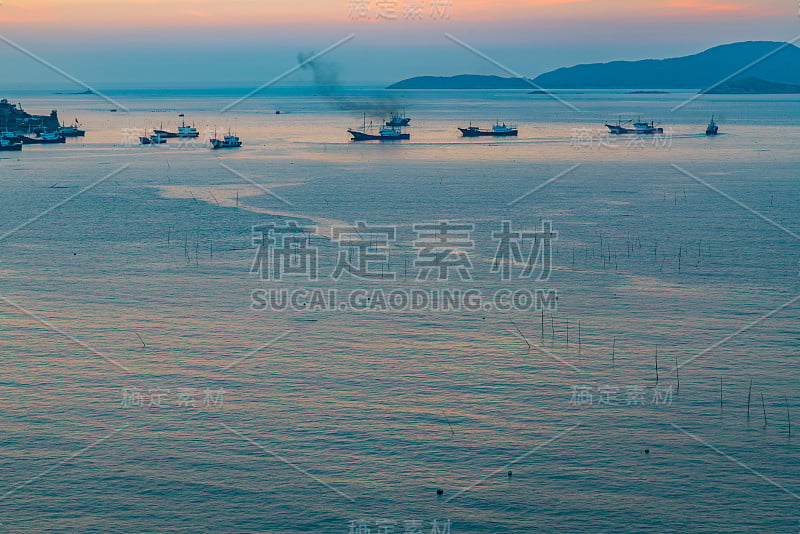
(11, 147)
(216, 143)
(466, 132)
(362, 136)
(152, 141)
(620, 130)
(617, 130)
(165, 134)
(39, 141)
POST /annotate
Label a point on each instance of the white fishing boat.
(639, 127)
(385, 133)
(187, 131)
(72, 130)
(229, 141)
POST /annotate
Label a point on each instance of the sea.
(559, 332)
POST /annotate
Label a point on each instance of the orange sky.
(131, 14)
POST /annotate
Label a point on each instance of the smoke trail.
(326, 79)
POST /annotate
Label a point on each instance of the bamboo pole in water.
(613, 349)
(656, 364)
(788, 417)
(542, 323)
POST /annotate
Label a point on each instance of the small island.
(763, 60)
(752, 86)
(462, 81)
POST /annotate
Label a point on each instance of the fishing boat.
(639, 127)
(10, 136)
(72, 131)
(397, 120)
(187, 131)
(229, 141)
(7, 144)
(498, 130)
(386, 133)
(44, 138)
(164, 133)
(712, 128)
(155, 139)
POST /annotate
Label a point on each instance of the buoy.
(509, 474)
(647, 451)
(439, 492)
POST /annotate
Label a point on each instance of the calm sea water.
(141, 392)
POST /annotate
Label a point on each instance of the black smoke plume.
(326, 79)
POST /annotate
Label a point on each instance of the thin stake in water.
(788, 417)
(764, 409)
(542, 322)
(749, 392)
(613, 349)
(452, 432)
(656, 364)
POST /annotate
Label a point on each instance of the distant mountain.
(697, 71)
(753, 86)
(462, 81)
(766, 60)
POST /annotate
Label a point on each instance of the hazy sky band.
(153, 43)
(130, 14)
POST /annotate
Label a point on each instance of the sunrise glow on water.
(561, 330)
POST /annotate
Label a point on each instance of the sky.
(153, 43)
